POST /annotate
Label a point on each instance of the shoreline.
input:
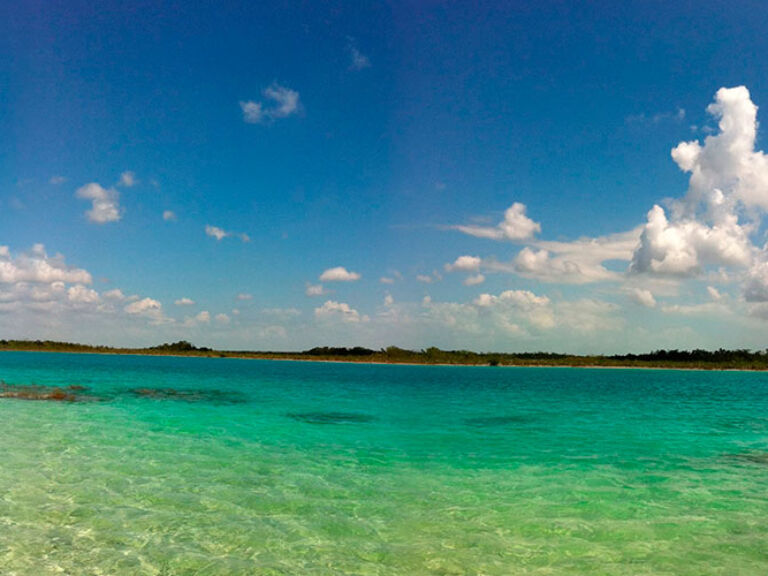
(288, 357)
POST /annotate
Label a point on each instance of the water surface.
(224, 466)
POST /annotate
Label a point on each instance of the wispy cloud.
(315, 290)
(128, 179)
(281, 102)
(220, 233)
(358, 60)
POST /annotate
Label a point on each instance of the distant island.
(721, 359)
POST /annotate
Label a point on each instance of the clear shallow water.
(260, 467)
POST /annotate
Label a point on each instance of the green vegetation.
(699, 359)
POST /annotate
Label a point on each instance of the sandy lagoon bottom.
(212, 466)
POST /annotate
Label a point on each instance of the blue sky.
(467, 176)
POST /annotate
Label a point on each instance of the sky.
(558, 176)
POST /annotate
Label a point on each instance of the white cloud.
(643, 297)
(203, 317)
(520, 298)
(148, 308)
(222, 319)
(284, 102)
(465, 264)
(342, 310)
(143, 306)
(424, 278)
(243, 296)
(359, 61)
(728, 180)
(714, 293)
(474, 280)
(105, 203)
(81, 294)
(37, 266)
(169, 215)
(516, 226)
(252, 112)
(184, 302)
(315, 290)
(339, 274)
(756, 285)
(685, 247)
(56, 180)
(220, 233)
(577, 262)
(115, 294)
(705, 309)
(216, 232)
(128, 179)
(388, 300)
(386, 280)
(727, 161)
(282, 312)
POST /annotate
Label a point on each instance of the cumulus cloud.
(512, 307)
(338, 310)
(643, 297)
(727, 161)
(244, 296)
(686, 246)
(82, 294)
(36, 266)
(184, 302)
(281, 103)
(729, 180)
(56, 180)
(105, 203)
(465, 264)
(220, 233)
(339, 274)
(144, 307)
(519, 298)
(222, 319)
(516, 226)
(474, 280)
(115, 294)
(169, 215)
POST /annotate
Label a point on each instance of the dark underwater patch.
(750, 457)
(332, 417)
(497, 421)
(190, 395)
(74, 393)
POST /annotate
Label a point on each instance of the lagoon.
(168, 465)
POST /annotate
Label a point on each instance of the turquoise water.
(257, 467)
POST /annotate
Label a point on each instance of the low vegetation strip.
(693, 359)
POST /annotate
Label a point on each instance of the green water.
(255, 467)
